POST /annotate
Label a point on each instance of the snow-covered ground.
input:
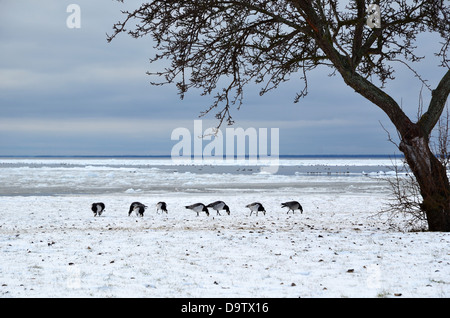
(52, 246)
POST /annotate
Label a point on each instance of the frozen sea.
(51, 245)
(65, 176)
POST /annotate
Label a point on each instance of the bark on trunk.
(433, 181)
(428, 170)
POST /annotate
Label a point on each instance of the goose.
(198, 207)
(292, 205)
(161, 206)
(138, 208)
(256, 206)
(219, 205)
(98, 208)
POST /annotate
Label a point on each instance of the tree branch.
(229, 43)
(358, 37)
(438, 99)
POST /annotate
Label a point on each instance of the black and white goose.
(138, 208)
(256, 207)
(218, 206)
(292, 205)
(98, 208)
(161, 206)
(198, 207)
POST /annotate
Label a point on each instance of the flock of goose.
(138, 208)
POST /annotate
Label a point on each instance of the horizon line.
(210, 157)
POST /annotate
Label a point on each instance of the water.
(48, 176)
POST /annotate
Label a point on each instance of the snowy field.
(51, 245)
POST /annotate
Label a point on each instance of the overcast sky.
(68, 92)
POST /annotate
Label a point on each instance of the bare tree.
(405, 198)
(211, 43)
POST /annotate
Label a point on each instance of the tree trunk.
(432, 179)
(431, 175)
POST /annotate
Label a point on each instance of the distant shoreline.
(284, 165)
(346, 156)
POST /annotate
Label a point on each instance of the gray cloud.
(67, 91)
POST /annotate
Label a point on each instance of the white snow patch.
(51, 245)
(56, 248)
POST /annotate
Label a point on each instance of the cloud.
(88, 126)
(42, 80)
(112, 136)
(69, 91)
